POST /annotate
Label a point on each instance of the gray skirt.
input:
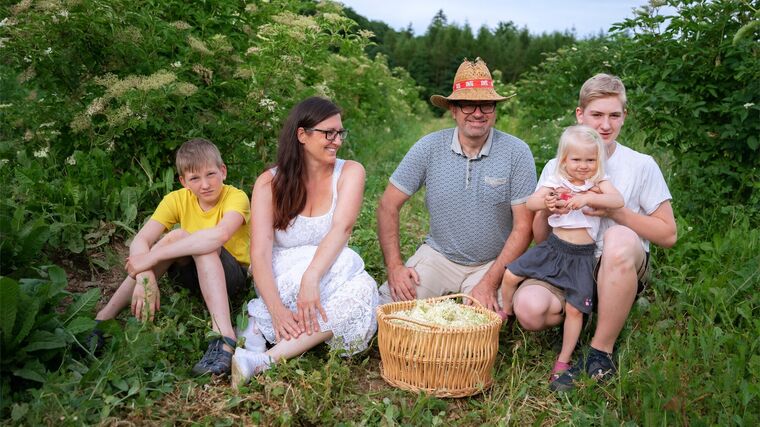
(565, 265)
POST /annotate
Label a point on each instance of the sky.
(587, 17)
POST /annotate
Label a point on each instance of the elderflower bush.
(125, 83)
(444, 313)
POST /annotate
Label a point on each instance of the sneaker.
(216, 360)
(93, 343)
(246, 364)
(558, 369)
(597, 365)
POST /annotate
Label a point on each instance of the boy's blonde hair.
(601, 86)
(576, 135)
(197, 153)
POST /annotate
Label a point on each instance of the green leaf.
(25, 319)
(83, 303)
(33, 370)
(79, 325)
(45, 340)
(57, 275)
(9, 296)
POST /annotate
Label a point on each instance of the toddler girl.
(566, 259)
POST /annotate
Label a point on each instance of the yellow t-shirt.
(182, 207)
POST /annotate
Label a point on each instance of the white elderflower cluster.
(268, 104)
(443, 313)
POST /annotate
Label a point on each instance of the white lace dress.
(347, 293)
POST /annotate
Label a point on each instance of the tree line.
(433, 57)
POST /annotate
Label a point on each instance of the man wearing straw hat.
(477, 180)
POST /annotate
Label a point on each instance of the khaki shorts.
(642, 274)
(439, 276)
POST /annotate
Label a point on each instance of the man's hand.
(146, 299)
(403, 282)
(486, 295)
(309, 306)
(139, 263)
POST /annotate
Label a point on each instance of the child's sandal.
(559, 368)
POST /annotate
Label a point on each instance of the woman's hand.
(309, 305)
(285, 323)
(146, 299)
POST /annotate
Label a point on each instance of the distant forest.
(433, 57)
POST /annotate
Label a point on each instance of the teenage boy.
(207, 252)
(623, 262)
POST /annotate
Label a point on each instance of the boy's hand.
(146, 299)
(138, 263)
(309, 306)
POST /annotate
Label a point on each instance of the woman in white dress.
(311, 287)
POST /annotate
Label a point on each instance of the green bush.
(34, 334)
(98, 95)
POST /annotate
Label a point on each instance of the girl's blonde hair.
(576, 135)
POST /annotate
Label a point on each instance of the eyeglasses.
(331, 134)
(486, 108)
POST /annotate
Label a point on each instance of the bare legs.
(537, 309)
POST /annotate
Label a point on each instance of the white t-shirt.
(637, 177)
(575, 218)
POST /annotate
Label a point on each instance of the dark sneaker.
(93, 343)
(216, 360)
(597, 364)
(600, 365)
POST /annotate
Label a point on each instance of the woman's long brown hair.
(289, 184)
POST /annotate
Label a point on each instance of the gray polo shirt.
(469, 199)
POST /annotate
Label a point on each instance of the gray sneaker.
(216, 360)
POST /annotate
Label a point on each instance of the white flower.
(48, 51)
(749, 104)
(27, 59)
(176, 64)
(64, 13)
(689, 228)
(71, 160)
(42, 152)
(269, 104)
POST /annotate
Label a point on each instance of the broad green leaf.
(79, 325)
(25, 318)
(44, 340)
(83, 303)
(33, 370)
(9, 295)
(57, 275)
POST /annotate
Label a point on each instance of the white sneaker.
(254, 339)
(246, 364)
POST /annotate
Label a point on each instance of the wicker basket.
(442, 361)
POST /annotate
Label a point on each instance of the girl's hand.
(578, 201)
(309, 305)
(285, 323)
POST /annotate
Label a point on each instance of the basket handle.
(417, 322)
(470, 297)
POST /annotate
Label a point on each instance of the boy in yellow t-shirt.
(207, 252)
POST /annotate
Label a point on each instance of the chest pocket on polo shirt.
(494, 190)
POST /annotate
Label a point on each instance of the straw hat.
(472, 82)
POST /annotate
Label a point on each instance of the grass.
(689, 355)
